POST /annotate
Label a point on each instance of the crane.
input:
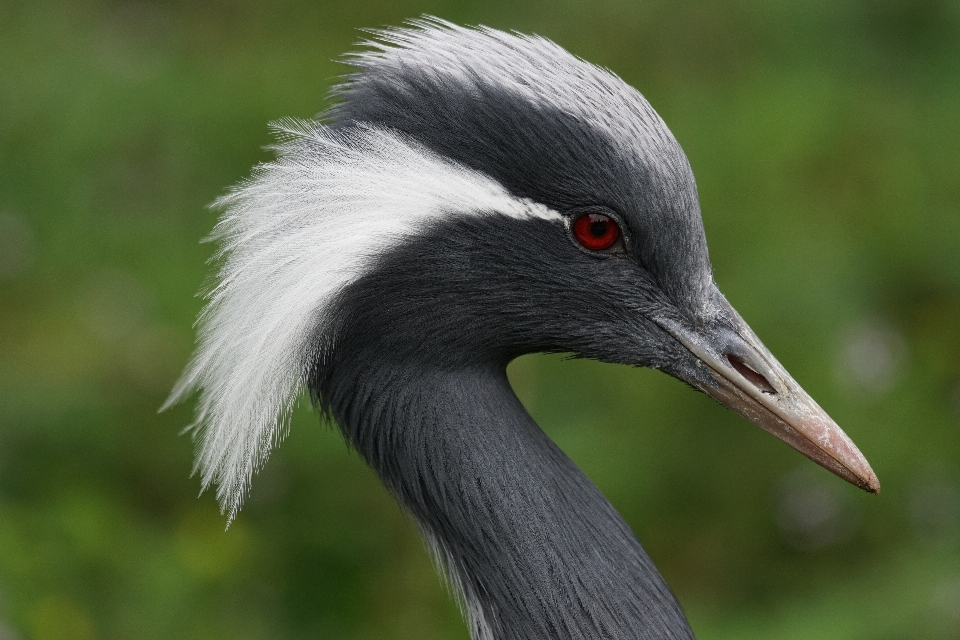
(473, 196)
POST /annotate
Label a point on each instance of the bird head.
(473, 196)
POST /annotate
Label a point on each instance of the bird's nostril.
(747, 372)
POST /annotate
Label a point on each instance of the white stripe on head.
(291, 237)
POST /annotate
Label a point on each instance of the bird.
(471, 196)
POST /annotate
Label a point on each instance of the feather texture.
(292, 236)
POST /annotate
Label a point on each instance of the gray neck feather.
(534, 549)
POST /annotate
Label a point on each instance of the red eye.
(596, 231)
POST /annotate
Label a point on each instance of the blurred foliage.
(824, 136)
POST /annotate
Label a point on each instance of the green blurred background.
(825, 139)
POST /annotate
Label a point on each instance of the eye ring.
(596, 231)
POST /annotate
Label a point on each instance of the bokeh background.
(825, 137)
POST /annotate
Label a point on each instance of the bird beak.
(750, 381)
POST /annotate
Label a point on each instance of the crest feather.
(292, 236)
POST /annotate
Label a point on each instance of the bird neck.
(530, 543)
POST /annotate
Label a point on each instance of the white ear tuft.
(292, 236)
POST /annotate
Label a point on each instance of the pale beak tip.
(871, 484)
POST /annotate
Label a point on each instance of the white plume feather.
(293, 235)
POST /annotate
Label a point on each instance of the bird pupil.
(595, 231)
